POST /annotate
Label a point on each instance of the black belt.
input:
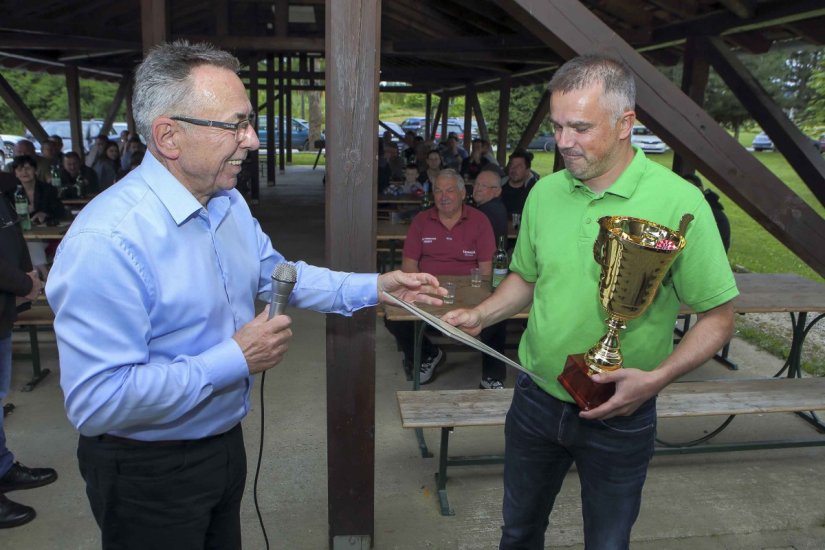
(161, 442)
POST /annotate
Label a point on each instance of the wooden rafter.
(571, 29)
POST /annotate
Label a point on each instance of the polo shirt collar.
(434, 213)
(175, 197)
(626, 183)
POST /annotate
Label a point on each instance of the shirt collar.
(434, 213)
(626, 183)
(177, 199)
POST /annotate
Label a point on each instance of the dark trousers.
(494, 336)
(183, 496)
(543, 438)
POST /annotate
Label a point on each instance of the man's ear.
(626, 122)
(167, 137)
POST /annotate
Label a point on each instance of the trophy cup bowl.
(634, 255)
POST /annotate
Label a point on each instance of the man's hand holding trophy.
(634, 255)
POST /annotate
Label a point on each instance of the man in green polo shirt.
(592, 110)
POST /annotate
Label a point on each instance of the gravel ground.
(779, 324)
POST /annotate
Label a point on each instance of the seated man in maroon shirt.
(449, 239)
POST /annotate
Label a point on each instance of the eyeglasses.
(240, 128)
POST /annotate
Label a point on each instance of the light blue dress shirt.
(148, 287)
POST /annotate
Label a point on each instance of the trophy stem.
(606, 356)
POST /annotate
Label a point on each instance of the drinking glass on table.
(475, 277)
(450, 297)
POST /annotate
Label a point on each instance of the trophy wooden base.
(576, 380)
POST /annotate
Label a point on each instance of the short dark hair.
(523, 154)
(71, 154)
(22, 160)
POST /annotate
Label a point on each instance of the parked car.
(544, 141)
(451, 128)
(90, 130)
(647, 141)
(762, 142)
(395, 127)
(300, 133)
(416, 124)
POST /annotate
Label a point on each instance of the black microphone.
(283, 281)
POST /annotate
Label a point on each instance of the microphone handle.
(280, 297)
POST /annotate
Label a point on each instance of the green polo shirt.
(555, 251)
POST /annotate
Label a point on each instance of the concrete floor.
(772, 499)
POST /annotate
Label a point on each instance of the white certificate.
(457, 334)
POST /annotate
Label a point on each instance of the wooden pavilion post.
(255, 184)
(282, 123)
(468, 117)
(75, 123)
(153, 23)
(541, 112)
(353, 41)
(503, 120)
(270, 119)
(428, 117)
(121, 93)
(694, 82)
(288, 120)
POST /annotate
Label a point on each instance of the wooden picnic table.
(758, 293)
(46, 233)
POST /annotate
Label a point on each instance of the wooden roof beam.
(744, 9)
(718, 24)
(277, 44)
(464, 44)
(812, 30)
(21, 110)
(787, 137)
(571, 29)
(50, 41)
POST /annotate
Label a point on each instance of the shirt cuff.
(360, 291)
(225, 364)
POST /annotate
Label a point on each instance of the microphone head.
(285, 272)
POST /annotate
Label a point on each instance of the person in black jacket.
(17, 280)
(44, 204)
(716, 207)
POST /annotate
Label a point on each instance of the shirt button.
(587, 220)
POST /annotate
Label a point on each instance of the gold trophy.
(634, 255)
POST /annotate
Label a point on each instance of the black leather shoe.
(13, 514)
(19, 477)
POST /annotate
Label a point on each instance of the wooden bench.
(39, 317)
(450, 409)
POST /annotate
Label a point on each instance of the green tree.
(46, 96)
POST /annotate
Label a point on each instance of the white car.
(647, 141)
(7, 149)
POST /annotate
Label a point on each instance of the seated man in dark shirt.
(519, 182)
(75, 172)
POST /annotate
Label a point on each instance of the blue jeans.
(6, 458)
(544, 437)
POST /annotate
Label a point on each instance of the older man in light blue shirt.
(154, 290)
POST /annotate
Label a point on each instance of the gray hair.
(450, 173)
(162, 81)
(586, 70)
